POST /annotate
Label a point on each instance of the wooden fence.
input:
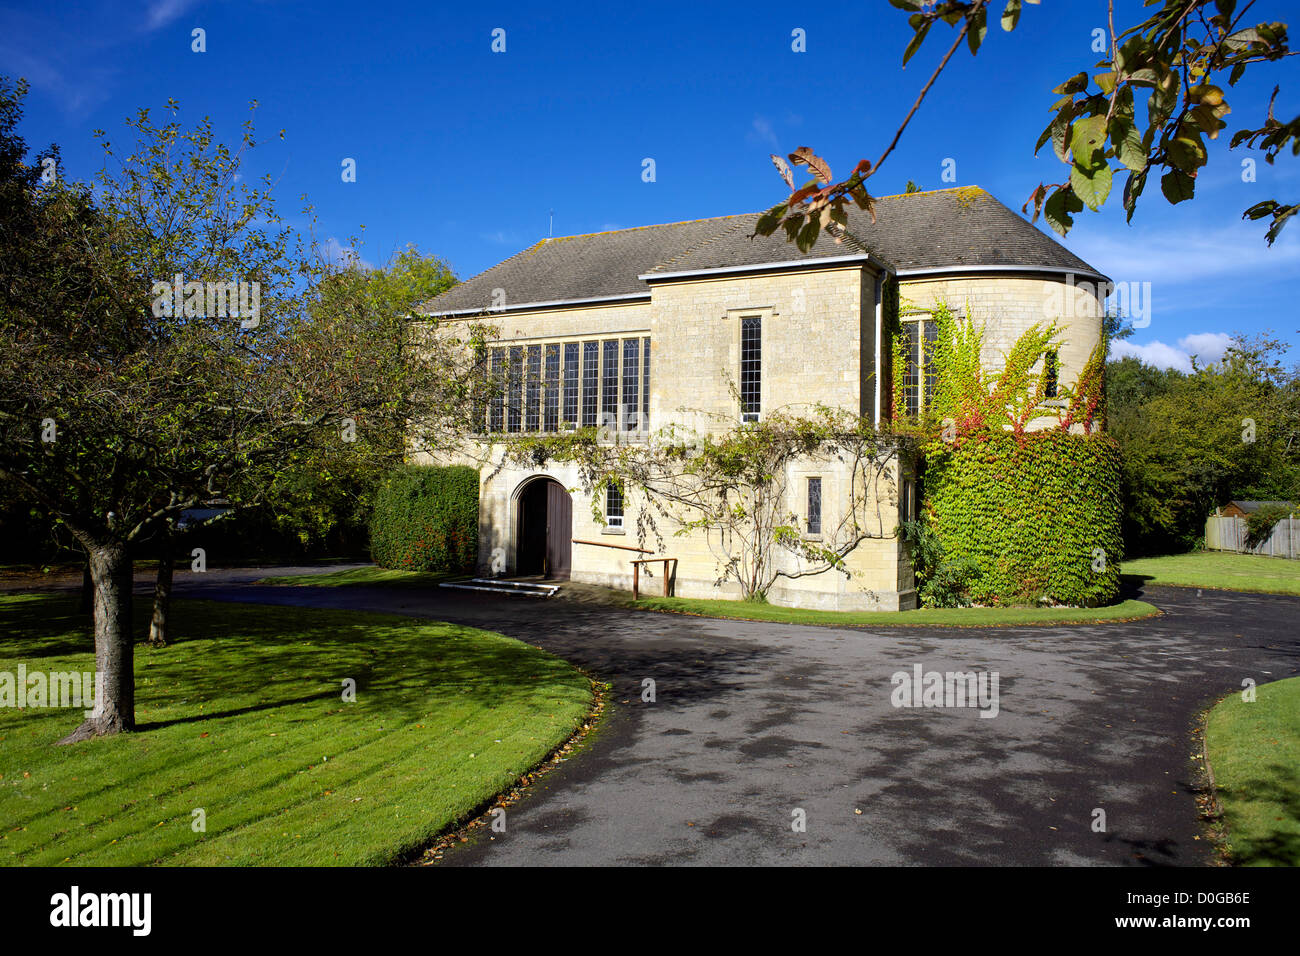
(1223, 533)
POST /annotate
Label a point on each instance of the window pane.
(590, 382)
(645, 383)
(613, 507)
(631, 384)
(751, 364)
(513, 386)
(551, 397)
(481, 388)
(609, 385)
(930, 336)
(912, 371)
(571, 382)
(495, 410)
(533, 390)
(814, 506)
(1051, 373)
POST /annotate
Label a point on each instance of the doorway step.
(524, 588)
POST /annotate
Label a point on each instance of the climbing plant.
(1037, 515)
(735, 486)
(1021, 492)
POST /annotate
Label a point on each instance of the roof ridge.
(726, 233)
(973, 188)
(652, 225)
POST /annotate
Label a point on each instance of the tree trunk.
(110, 570)
(87, 589)
(162, 595)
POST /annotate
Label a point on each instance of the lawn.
(368, 575)
(923, 617)
(1219, 569)
(243, 718)
(1254, 751)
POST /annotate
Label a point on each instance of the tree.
(1171, 59)
(327, 480)
(129, 395)
(1193, 441)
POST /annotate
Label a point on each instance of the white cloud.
(761, 132)
(333, 251)
(1208, 347)
(1175, 257)
(163, 12)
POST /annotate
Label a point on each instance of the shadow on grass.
(1259, 810)
(252, 658)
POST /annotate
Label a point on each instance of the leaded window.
(751, 367)
(814, 506)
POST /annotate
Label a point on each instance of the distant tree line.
(1192, 441)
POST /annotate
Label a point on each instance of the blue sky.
(465, 152)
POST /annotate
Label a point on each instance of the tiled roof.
(1252, 506)
(947, 228)
(595, 266)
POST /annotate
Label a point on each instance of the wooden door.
(559, 531)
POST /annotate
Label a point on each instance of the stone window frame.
(925, 379)
(614, 522)
(796, 494)
(764, 313)
(519, 393)
(814, 535)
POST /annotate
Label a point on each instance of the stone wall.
(818, 346)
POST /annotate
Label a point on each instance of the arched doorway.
(544, 539)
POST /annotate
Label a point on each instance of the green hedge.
(426, 519)
(1031, 516)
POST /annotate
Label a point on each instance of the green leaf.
(1133, 187)
(1128, 144)
(1091, 186)
(977, 30)
(808, 234)
(1187, 153)
(1075, 84)
(1059, 130)
(1260, 209)
(768, 222)
(1058, 208)
(1087, 142)
(1011, 15)
(1177, 186)
(915, 43)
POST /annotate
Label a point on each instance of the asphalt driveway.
(753, 722)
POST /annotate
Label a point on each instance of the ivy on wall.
(1033, 512)
(1037, 514)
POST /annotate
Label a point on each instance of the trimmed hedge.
(426, 519)
(1030, 515)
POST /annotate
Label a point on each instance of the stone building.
(696, 323)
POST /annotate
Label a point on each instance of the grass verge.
(1254, 754)
(370, 575)
(1216, 569)
(923, 617)
(243, 718)
(754, 611)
